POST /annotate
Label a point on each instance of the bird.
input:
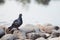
(16, 23)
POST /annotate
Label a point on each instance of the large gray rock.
(29, 28)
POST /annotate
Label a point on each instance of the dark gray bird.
(17, 23)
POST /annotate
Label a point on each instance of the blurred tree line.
(2, 1)
(44, 2)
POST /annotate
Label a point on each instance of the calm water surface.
(32, 14)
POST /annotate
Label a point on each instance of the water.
(32, 14)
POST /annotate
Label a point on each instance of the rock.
(28, 39)
(33, 36)
(44, 35)
(48, 24)
(8, 37)
(41, 27)
(41, 38)
(30, 28)
(24, 39)
(2, 32)
(0, 39)
(47, 28)
(19, 34)
(18, 39)
(4, 27)
(8, 31)
(55, 33)
(56, 38)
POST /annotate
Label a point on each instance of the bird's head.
(20, 15)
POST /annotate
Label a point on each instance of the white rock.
(0, 39)
(41, 38)
(56, 38)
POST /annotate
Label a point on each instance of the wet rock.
(8, 37)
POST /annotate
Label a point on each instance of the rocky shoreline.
(31, 32)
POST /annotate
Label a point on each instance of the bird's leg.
(17, 28)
